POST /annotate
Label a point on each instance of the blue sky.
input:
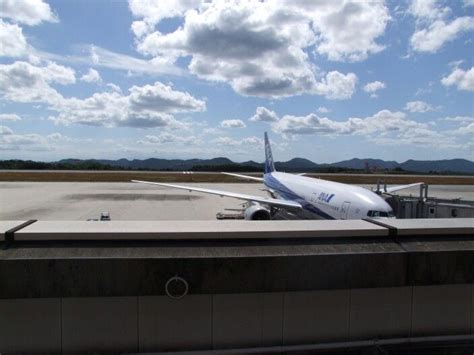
(186, 79)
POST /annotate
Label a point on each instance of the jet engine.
(257, 212)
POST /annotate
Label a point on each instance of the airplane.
(303, 197)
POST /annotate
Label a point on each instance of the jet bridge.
(423, 206)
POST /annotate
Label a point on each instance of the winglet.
(269, 165)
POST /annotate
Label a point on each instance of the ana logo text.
(325, 197)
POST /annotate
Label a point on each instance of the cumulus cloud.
(144, 106)
(462, 79)
(29, 12)
(9, 117)
(374, 86)
(337, 86)
(346, 30)
(382, 121)
(431, 39)
(265, 115)
(12, 41)
(427, 10)
(153, 12)
(418, 106)
(161, 97)
(23, 82)
(434, 28)
(92, 76)
(323, 110)
(384, 127)
(233, 124)
(261, 48)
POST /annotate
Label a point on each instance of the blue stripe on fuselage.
(271, 182)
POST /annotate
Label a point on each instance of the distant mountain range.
(294, 165)
(459, 166)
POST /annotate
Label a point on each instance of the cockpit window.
(379, 214)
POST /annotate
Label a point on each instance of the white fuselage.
(326, 199)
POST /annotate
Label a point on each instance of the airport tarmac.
(130, 201)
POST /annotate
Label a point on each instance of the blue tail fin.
(269, 165)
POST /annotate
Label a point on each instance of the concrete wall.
(158, 323)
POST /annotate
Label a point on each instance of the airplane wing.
(264, 200)
(244, 176)
(402, 187)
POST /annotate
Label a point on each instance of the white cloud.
(29, 12)
(337, 86)
(167, 137)
(322, 109)
(463, 80)
(244, 142)
(374, 86)
(383, 128)
(12, 41)
(9, 117)
(418, 106)
(465, 125)
(226, 141)
(101, 57)
(56, 136)
(346, 30)
(253, 141)
(144, 106)
(23, 82)
(463, 119)
(421, 137)
(233, 124)
(160, 97)
(427, 10)
(265, 115)
(468, 3)
(11, 141)
(33, 142)
(114, 87)
(59, 74)
(92, 76)
(463, 130)
(431, 39)
(5, 131)
(153, 12)
(433, 27)
(23, 139)
(261, 48)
